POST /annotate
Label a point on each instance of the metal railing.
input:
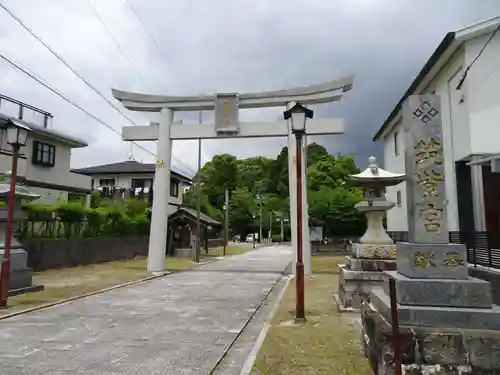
(15, 108)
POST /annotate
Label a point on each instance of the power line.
(20, 22)
(64, 97)
(60, 58)
(116, 42)
(462, 80)
(154, 41)
(41, 81)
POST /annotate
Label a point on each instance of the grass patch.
(326, 263)
(328, 343)
(71, 282)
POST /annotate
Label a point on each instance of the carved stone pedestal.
(363, 271)
(430, 350)
(20, 278)
(448, 323)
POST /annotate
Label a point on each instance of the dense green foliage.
(72, 219)
(259, 180)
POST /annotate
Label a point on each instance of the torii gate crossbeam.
(167, 130)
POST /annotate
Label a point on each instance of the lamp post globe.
(17, 134)
(298, 115)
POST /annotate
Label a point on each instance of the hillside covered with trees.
(331, 197)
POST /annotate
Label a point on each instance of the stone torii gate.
(227, 126)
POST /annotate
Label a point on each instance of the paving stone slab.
(167, 325)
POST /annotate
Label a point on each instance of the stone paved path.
(179, 324)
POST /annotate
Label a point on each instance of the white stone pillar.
(478, 203)
(161, 188)
(306, 247)
(88, 200)
(292, 182)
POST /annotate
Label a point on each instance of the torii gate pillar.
(227, 126)
(161, 183)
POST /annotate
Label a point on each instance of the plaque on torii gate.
(227, 125)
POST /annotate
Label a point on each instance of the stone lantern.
(374, 181)
(20, 274)
(376, 251)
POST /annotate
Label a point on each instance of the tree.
(330, 171)
(331, 196)
(242, 210)
(252, 170)
(315, 153)
(333, 209)
(217, 175)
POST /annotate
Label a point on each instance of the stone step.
(357, 264)
(441, 292)
(438, 317)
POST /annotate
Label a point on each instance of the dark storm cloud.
(231, 45)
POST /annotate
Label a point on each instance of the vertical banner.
(226, 113)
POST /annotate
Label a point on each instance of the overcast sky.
(223, 45)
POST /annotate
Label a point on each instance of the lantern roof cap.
(21, 190)
(375, 174)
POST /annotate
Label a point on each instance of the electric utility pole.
(226, 221)
(270, 226)
(260, 217)
(282, 228)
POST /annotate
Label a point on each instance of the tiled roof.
(205, 219)
(51, 133)
(125, 167)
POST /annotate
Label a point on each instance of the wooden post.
(396, 345)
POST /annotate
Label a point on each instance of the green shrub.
(95, 199)
(95, 220)
(109, 218)
(134, 206)
(71, 214)
(141, 224)
(38, 210)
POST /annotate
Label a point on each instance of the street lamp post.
(298, 115)
(17, 134)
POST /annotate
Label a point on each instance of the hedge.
(72, 219)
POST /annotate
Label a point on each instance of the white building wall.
(453, 111)
(6, 164)
(58, 174)
(49, 196)
(396, 217)
(483, 95)
(125, 181)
